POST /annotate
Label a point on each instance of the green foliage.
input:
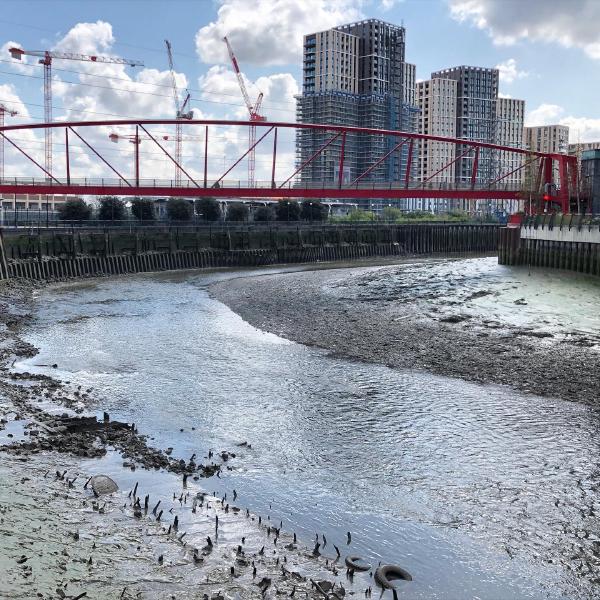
(142, 209)
(208, 208)
(237, 211)
(263, 213)
(391, 213)
(74, 209)
(287, 210)
(360, 215)
(111, 209)
(179, 209)
(313, 211)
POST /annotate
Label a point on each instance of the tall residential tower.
(356, 75)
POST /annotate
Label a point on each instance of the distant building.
(437, 100)
(355, 75)
(583, 147)
(590, 180)
(510, 114)
(546, 138)
(476, 107)
(32, 201)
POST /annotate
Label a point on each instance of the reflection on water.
(478, 491)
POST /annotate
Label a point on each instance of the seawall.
(86, 253)
(570, 243)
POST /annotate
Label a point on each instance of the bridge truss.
(199, 181)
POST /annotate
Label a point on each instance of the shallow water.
(478, 491)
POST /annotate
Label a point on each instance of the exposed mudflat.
(160, 535)
(451, 318)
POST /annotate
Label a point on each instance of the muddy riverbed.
(368, 426)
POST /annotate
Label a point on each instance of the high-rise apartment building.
(356, 75)
(437, 99)
(546, 138)
(510, 114)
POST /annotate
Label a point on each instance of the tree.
(237, 211)
(74, 209)
(391, 213)
(111, 209)
(361, 215)
(179, 209)
(142, 209)
(287, 210)
(208, 209)
(263, 213)
(313, 211)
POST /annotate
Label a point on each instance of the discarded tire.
(357, 563)
(387, 574)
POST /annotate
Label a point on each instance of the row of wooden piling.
(418, 239)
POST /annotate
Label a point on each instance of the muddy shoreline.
(329, 309)
(60, 539)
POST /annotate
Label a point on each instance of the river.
(479, 491)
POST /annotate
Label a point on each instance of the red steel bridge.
(542, 166)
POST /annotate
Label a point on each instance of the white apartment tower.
(510, 115)
(436, 98)
(331, 63)
(547, 138)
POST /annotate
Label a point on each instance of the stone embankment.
(43, 255)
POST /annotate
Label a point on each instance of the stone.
(103, 484)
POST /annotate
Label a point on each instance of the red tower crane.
(4, 111)
(46, 58)
(179, 114)
(253, 110)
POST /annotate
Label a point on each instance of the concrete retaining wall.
(569, 249)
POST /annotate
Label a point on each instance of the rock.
(103, 484)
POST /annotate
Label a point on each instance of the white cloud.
(571, 24)
(581, 129)
(509, 71)
(545, 114)
(269, 32)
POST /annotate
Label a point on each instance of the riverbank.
(412, 316)
(160, 535)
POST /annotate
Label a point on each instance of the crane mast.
(253, 112)
(179, 115)
(46, 57)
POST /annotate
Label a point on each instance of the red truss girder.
(567, 167)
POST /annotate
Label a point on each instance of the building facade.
(437, 100)
(546, 138)
(355, 75)
(510, 125)
(590, 181)
(476, 107)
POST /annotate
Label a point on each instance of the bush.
(74, 209)
(313, 211)
(111, 209)
(390, 213)
(179, 209)
(142, 209)
(263, 213)
(237, 211)
(361, 215)
(208, 209)
(287, 210)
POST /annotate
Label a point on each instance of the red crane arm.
(239, 77)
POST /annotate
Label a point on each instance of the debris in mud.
(103, 484)
(455, 318)
(521, 302)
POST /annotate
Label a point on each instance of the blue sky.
(549, 51)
